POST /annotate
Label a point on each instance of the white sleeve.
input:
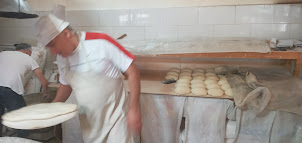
(118, 55)
(62, 70)
(33, 64)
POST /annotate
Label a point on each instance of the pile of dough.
(211, 70)
(186, 73)
(173, 74)
(215, 92)
(200, 70)
(225, 86)
(183, 86)
(199, 91)
(198, 87)
(187, 70)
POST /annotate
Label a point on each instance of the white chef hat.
(48, 27)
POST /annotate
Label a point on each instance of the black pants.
(11, 101)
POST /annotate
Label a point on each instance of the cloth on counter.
(161, 117)
(207, 45)
(206, 119)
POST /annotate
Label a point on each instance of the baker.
(14, 65)
(91, 67)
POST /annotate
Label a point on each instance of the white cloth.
(102, 54)
(14, 65)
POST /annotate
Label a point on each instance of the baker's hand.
(45, 93)
(134, 120)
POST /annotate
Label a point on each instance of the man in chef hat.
(91, 67)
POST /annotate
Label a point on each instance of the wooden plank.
(298, 68)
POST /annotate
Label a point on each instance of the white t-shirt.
(14, 65)
(97, 52)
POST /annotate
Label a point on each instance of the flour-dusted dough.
(185, 74)
(182, 90)
(213, 86)
(229, 92)
(171, 77)
(215, 92)
(200, 70)
(210, 74)
(184, 80)
(185, 77)
(199, 77)
(40, 111)
(187, 70)
(197, 81)
(212, 78)
(197, 74)
(210, 81)
(186, 84)
(175, 70)
(196, 85)
(199, 91)
(210, 70)
(173, 73)
(222, 82)
(225, 86)
(223, 78)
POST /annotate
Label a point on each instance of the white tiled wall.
(258, 21)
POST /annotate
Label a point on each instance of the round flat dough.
(185, 77)
(200, 70)
(197, 74)
(185, 74)
(213, 86)
(199, 91)
(196, 85)
(171, 77)
(172, 73)
(184, 80)
(210, 74)
(197, 81)
(182, 90)
(40, 123)
(229, 92)
(215, 92)
(40, 111)
(175, 70)
(186, 84)
(199, 77)
(225, 86)
(212, 78)
(210, 70)
(209, 81)
(222, 82)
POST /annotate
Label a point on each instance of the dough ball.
(229, 92)
(197, 81)
(222, 82)
(213, 86)
(199, 77)
(211, 70)
(210, 74)
(172, 73)
(200, 70)
(185, 77)
(223, 78)
(197, 74)
(215, 92)
(184, 80)
(171, 77)
(186, 84)
(225, 86)
(199, 91)
(198, 85)
(175, 70)
(187, 70)
(210, 81)
(182, 90)
(212, 78)
(185, 74)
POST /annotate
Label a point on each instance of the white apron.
(103, 106)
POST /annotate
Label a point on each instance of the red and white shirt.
(97, 52)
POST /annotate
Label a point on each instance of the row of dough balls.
(199, 73)
(204, 82)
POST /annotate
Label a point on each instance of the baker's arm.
(133, 116)
(63, 93)
(42, 79)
